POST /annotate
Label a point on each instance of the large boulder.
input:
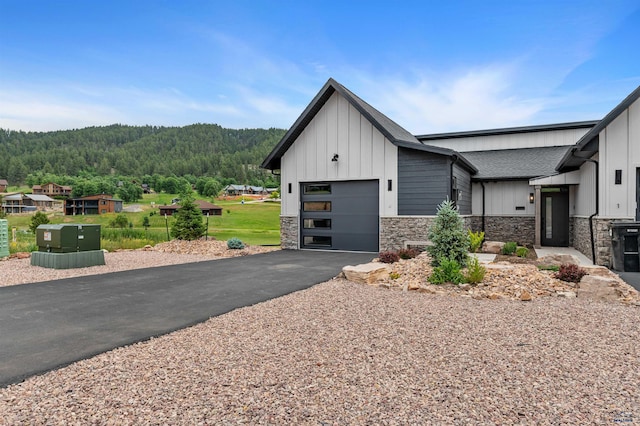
(494, 247)
(366, 273)
(599, 288)
(558, 259)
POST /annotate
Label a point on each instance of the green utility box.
(4, 238)
(67, 238)
(67, 246)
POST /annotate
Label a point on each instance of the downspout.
(483, 205)
(593, 242)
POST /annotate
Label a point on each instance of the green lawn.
(254, 223)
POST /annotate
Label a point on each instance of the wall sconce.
(335, 157)
(531, 198)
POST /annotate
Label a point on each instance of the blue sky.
(430, 66)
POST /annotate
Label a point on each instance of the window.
(317, 223)
(317, 188)
(317, 241)
(316, 206)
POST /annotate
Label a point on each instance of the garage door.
(340, 215)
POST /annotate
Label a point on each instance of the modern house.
(234, 189)
(21, 203)
(206, 207)
(52, 190)
(353, 179)
(92, 204)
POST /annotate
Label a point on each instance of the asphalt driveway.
(47, 325)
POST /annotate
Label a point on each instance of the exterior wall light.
(531, 198)
(335, 157)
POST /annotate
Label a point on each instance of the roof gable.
(588, 145)
(389, 128)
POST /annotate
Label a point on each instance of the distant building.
(247, 190)
(3, 185)
(52, 190)
(205, 207)
(92, 204)
(20, 203)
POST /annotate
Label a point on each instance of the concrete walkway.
(545, 251)
(47, 325)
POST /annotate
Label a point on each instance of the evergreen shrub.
(448, 235)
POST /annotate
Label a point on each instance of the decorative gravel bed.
(344, 353)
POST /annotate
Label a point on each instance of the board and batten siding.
(423, 182)
(502, 198)
(363, 154)
(620, 150)
(463, 178)
(511, 141)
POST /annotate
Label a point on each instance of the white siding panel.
(502, 198)
(512, 141)
(584, 201)
(616, 153)
(353, 148)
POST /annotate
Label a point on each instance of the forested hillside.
(196, 150)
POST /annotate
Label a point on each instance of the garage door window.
(317, 223)
(316, 206)
(311, 240)
(317, 189)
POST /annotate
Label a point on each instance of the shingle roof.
(389, 128)
(522, 163)
(38, 197)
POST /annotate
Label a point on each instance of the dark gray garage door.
(340, 215)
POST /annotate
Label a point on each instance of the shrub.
(447, 271)
(120, 221)
(188, 223)
(522, 252)
(570, 273)
(475, 271)
(475, 240)
(448, 235)
(388, 257)
(408, 253)
(38, 219)
(394, 275)
(509, 248)
(235, 244)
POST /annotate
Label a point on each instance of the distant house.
(3, 185)
(92, 204)
(52, 190)
(247, 190)
(145, 188)
(206, 208)
(20, 203)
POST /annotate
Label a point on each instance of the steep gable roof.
(389, 128)
(520, 163)
(588, 145)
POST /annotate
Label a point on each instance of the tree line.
(158, 156)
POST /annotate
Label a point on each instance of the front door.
(555, 217)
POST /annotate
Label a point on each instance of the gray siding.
(464, 187)
(423, 182)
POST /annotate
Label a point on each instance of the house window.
(316, 206)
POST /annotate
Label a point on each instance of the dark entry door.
(340, 215)
(555, 217)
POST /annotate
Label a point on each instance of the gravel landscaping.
(344, 353)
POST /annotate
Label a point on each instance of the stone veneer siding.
(289, 232)
(396, 232)
(582, 239)
(521, 229)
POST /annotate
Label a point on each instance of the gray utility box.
(67, 238)
(624, 242)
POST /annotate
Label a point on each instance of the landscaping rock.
(367, 273)
(525, 296)
(566, 294)
(558, 259)
(599, 288)
(492, 247)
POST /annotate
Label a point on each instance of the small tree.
(188, 223)
(38, 219)
(448, 235)
(120, 221)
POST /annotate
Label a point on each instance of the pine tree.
(188, 223)
(448, 235)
